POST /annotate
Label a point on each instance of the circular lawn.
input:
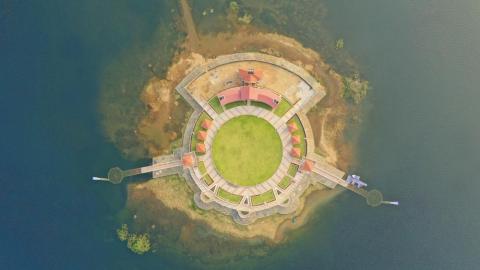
(247, 150)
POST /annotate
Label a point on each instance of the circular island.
(247, 150)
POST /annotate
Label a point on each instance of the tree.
(138, 243)
(122, 233)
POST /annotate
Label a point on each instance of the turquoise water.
(419, 142)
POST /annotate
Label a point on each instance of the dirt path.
(192, 36)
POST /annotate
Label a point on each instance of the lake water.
(419, 142)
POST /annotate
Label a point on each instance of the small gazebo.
(188, 160)
(307, 165)
(295, 152)
(295, 139)
(200, 148)
(207, 123)
(202, 135)
(292, 127)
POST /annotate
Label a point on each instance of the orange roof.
(200, 148)
(295, 152)
(295, 139)
(188, 160)
(308, 165)
(202, 135)
(207, 123)
(250, 75)
(292, 127)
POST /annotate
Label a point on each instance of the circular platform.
(247, 150)
(374, 198)
(115, 175)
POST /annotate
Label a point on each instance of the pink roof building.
(244, 93)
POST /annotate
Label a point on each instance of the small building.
(295, 152)
(202, 135)
(250, 76)
(200, 148)
(188, 160)
(292, 127)
(207, 123)
(307, 165)
(295, 139)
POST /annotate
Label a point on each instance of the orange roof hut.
(295, 152)
(207, 123)
(295, 139)
(200, 148)
(250, 76)
(292, 127)
(307, 165)
(188, 160)
(202, 135)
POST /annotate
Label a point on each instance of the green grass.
(282, 107)
(235, 104)
(260, 105)
(301, 133)
(247, 150)
(198, 126)
(208, 180)
(215, 104)
(233, 198)
(286, 181)
(292, 170)
(263, 198)
(202, 168)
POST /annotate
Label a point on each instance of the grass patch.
(198, 126)
(282, 108)
(215, 104)
(202, 168)
(235, 104)
(286, 181)
(292, 170)
(260, 105)
(263, 198)
(208, 180)
(247, 150)
(300, 133)
(233, 198)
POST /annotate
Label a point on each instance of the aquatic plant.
(339, 44)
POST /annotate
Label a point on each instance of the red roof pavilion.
(202, 135)
(250, 76)
(295, 152)
(188, 160)
(200, 148)
(295, 139)
(207, 123)
(292, 127)
(308, 165)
